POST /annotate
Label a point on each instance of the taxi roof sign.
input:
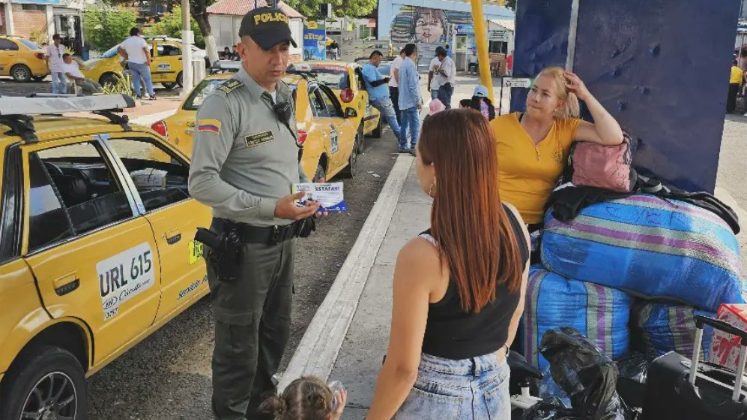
(60, 105)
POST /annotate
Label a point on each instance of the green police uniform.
(244, 160)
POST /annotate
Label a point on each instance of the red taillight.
(302, 137)
(346, 95)
(40, 56)
(160, 128)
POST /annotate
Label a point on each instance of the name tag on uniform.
(259, 138)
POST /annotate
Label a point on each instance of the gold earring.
(430, 190)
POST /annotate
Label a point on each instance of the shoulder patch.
(230, 86)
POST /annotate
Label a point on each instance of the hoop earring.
(430, 190)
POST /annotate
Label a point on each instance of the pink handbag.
(608, 167)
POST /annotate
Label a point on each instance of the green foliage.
(39, 36)
(123, 86)
(171, 25)
(349, 8)
(107, 27)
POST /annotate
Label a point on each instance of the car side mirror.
(351, 112)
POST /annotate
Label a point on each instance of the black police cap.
(268, 27)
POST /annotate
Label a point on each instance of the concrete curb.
(317, 353)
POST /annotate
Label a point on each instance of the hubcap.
(54, 397)
(20, 73)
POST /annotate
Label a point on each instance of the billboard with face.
(424, 24)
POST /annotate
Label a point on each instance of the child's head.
(465, 103)
(306, 398)
(436, 106)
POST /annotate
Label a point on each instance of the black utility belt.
(261, 235)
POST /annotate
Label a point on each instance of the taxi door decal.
(334, 139)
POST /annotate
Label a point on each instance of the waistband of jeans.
(473, 365)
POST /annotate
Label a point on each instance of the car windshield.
(202, 90)
(31, 44)
(330, 76)
(111, 53)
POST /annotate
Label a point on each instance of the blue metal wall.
(660, 67)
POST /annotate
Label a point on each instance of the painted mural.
(425, 25)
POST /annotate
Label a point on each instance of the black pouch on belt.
(225, 250)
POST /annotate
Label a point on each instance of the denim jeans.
(386, 108)
(444, 94)
(468, 389)
(434, 93)
(411, 120)
(141, 70)
(59, 83)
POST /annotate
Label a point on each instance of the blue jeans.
(444, 94)
(59, 83)
(467, 389)
(386, 108)
(434, 93)
(141, 70)
(411, 120)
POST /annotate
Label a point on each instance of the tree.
(107, 27)
(171, 25)
(349, 8)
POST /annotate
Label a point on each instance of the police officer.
(244, 162)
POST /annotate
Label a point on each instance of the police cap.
(267, 27)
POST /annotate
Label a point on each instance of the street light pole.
(187, 40)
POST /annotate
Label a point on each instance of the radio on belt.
(329, 194)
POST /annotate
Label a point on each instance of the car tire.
(376, 133)
(350, 170)
(179, 79)
(21, 73)
(49, 370)
(360, 145)
(320, 176)
(39, 78)
(168, 86)
(108, 79)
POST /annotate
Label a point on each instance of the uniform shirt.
(449, 67)
(55, 53)
(372, 74)
(432, 67)
(529, 172)
(409, 89)
(737, 75)
(73, 69)
(243, 158)
(395, 66)
(133, 46)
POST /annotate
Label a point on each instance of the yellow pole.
(481, 38)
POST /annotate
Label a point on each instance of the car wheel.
(47, 383)
(352, 168)
(39, 78)
(21, 73)
(108, 79)
(168, 86)
(376, 133)
(180, 79)
(359, 145)
(321, 175)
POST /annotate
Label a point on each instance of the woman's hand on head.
(577, 86)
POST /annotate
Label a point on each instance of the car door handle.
(173, 236)
(180, 59)
(66, 284)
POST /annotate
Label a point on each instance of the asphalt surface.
(167, 376)
(10, 87)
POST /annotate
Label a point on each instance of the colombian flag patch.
(208, 126)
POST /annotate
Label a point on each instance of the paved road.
(10, 87)
(167, 376)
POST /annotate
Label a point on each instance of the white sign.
(499, 35)
(512, 82)
(124, 276)
(164, 66)
(330, 195)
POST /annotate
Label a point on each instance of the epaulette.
(230, 86)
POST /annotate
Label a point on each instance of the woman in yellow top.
(735, 82)
(533, 147)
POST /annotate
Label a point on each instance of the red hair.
(468, 220)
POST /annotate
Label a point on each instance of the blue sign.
(314, 36)
(50, 2)
(465, 30)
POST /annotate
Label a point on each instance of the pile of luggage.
(631, 274)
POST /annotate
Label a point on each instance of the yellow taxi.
(96, 249)
(329, 134)
(165, 67)
(22, 59)
(338, 76)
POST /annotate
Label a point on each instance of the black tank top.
(454, 334)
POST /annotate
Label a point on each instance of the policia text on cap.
(244, 162)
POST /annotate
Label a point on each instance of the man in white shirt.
(71, 70)
(432, 81)
(137, 53)
(54, 54)
(446, 77)
(473, 67)
(394, 82)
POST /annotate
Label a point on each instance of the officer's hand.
(287, 208)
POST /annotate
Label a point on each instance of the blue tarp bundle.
(664, 328)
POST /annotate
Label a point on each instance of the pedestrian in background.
(244, 165)
(472, 68)
(137, 53)
(410, 101)
(394, 83)
(481, 102)
(446, 77)
(378, 92)
(458, 287)
(432, 81)
(54, 53)
(735, 82)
